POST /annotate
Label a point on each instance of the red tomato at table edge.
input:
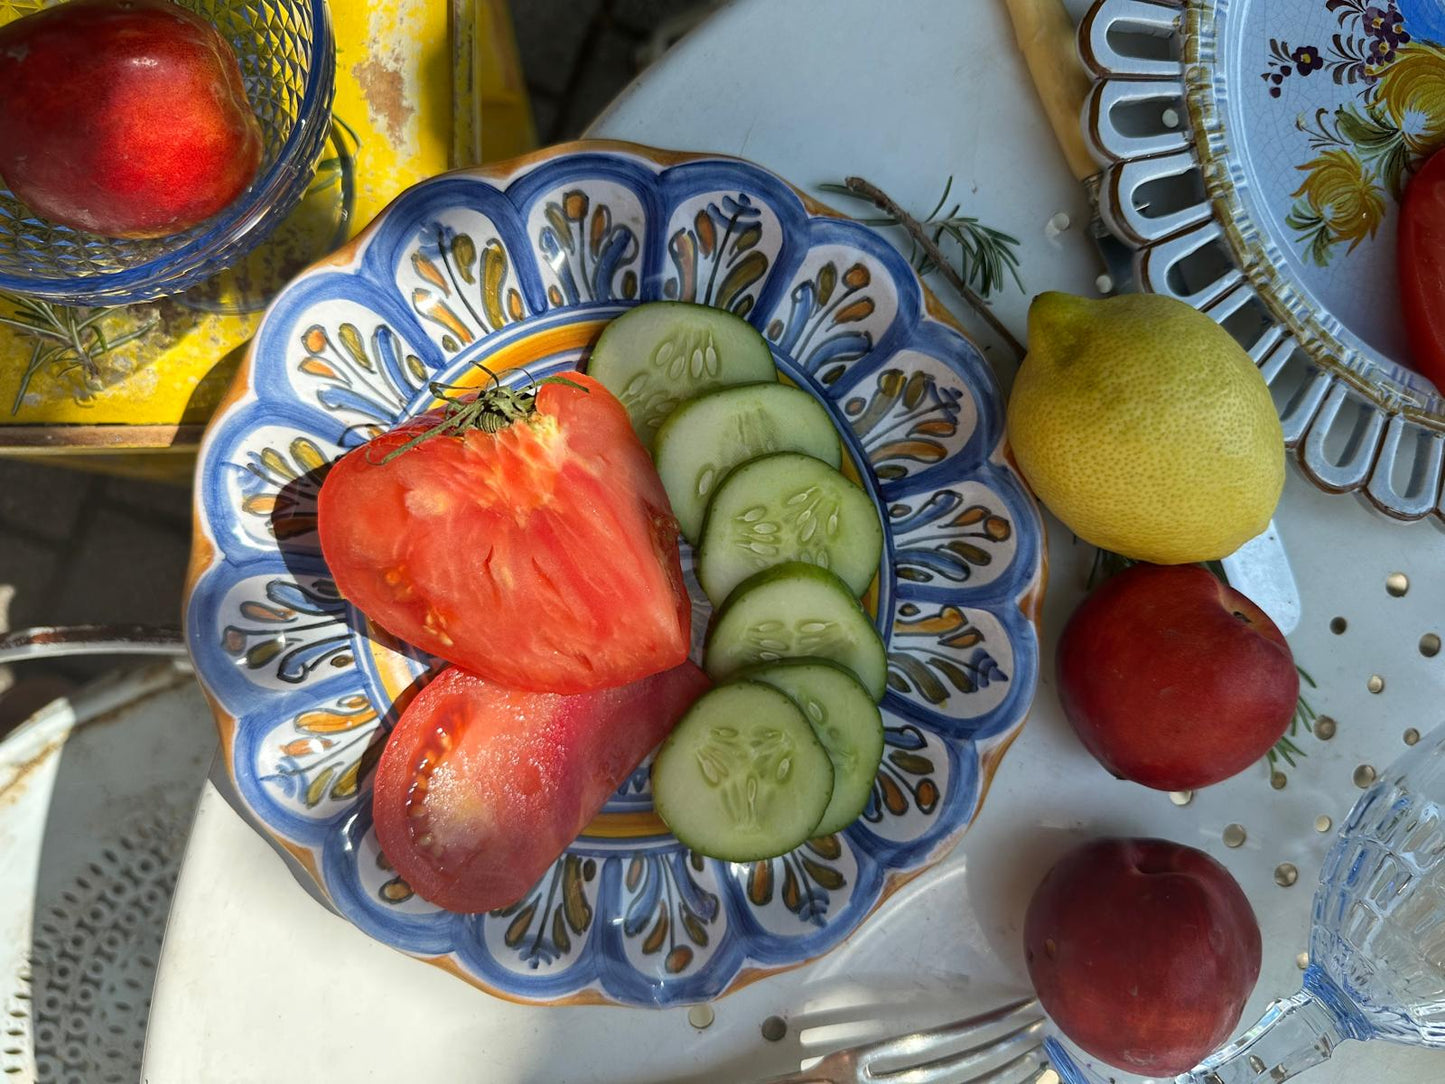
(481, 788)
(542, 556)
(1421, 265)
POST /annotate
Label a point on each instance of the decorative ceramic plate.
(1257, 154)
(525, 264)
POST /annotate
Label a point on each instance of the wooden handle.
(1046, 37)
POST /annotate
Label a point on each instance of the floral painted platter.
(524, 264)
(1256, 152)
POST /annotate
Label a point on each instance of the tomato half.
(542, 556)
(480, 788)
(1421, 257)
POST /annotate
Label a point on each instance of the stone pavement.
(79, 548)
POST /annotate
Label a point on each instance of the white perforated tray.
(96, 798)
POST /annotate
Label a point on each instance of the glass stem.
(1294, 1034)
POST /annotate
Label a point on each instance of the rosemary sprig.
(1304, 716)
(491, 410)
(65, 338)
(985, 255)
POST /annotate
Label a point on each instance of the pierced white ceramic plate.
(1255, 156)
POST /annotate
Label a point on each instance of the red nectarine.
(1174, 679)
(1143, 952)
(127, 118)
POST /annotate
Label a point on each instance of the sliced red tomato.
(1422, 268)
(542, 555)
(480, 788)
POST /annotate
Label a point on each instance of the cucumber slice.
(847, 722)
(788, 507)
(742, 777)
(708, 436)
(793, 611)
(656, 355)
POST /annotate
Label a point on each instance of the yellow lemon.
(1145, 427)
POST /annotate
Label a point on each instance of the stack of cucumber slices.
(785, 748)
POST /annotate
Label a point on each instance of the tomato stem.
(494, 408)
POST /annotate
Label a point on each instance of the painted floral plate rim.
(526, 261)
(1360, 86)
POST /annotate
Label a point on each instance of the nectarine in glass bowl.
(287, 63)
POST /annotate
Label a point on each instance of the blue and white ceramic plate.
(525, 264)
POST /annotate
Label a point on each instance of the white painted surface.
(258, 983)
(96, 797)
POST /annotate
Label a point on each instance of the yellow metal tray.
(411, 78)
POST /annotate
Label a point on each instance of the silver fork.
(1003, 1046)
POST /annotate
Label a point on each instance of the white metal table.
(259, 983)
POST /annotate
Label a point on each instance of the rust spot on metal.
(385, 92)
(12, 790)
(154, 672)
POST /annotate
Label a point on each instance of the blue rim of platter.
(526, 262)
